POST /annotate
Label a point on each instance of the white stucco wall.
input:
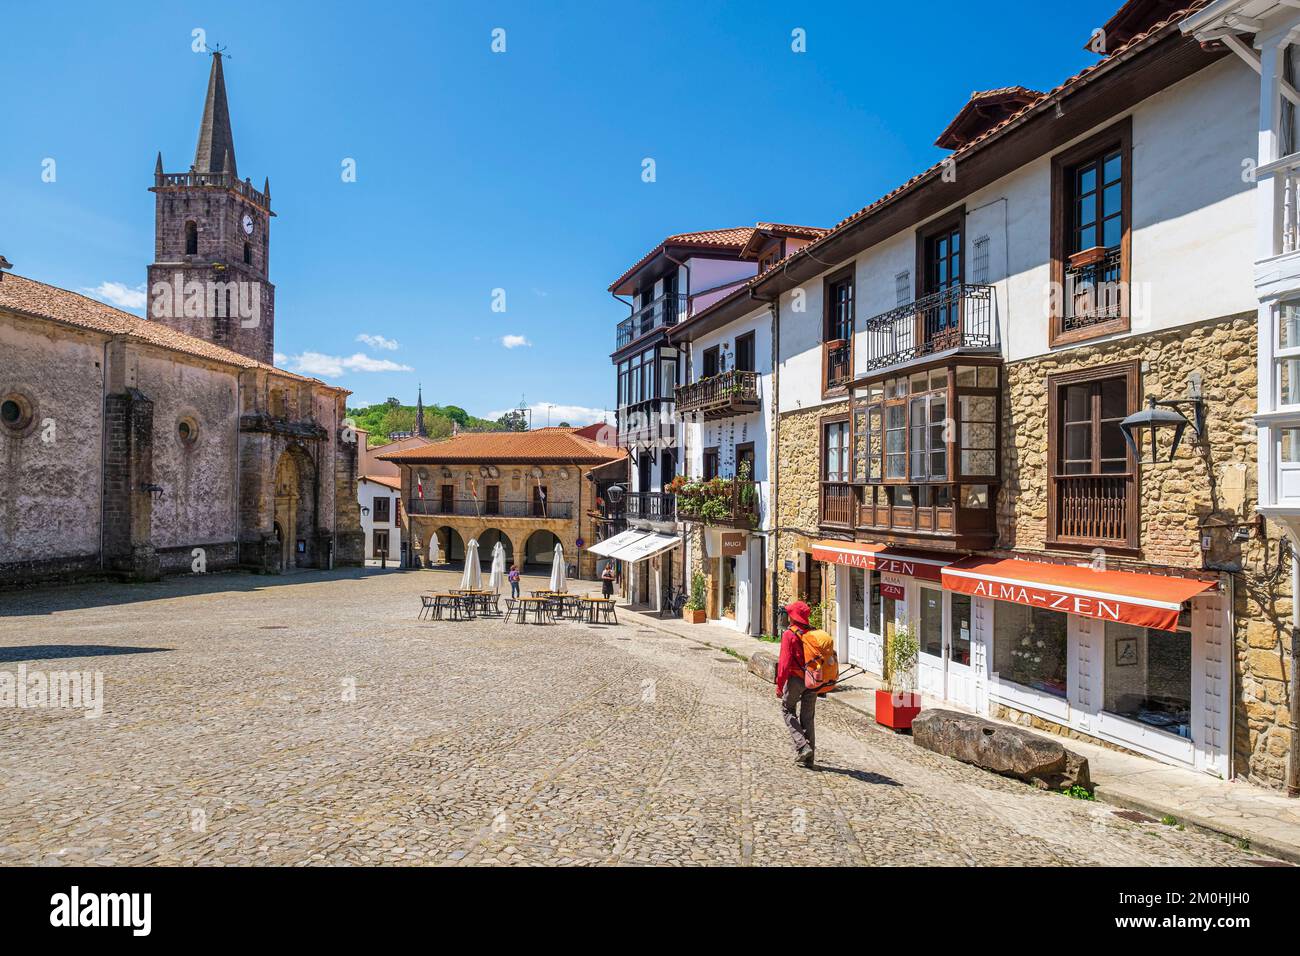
(367, 491)
(1192, 217)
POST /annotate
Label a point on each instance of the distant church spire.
(216, 149)
(419, 412)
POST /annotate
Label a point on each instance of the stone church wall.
(197, 476)
(49, 472)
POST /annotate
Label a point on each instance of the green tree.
(514, 421)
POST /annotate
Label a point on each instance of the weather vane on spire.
(218, 50)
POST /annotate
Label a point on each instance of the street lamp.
(1157, 415)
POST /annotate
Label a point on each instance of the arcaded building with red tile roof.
(528, 490)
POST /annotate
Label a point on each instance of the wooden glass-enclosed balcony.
(922, 461)
(733, 392)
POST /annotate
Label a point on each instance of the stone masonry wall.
(798, 497)
(1209, 489)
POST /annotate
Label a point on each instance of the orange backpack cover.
(820, 664)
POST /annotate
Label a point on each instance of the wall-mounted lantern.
(1141, 427)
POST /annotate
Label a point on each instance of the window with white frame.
(1286, 354)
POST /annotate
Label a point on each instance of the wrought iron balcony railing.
(958, 317)
(651, 505)
(1093, 293)
(732, 393)
(667, 310)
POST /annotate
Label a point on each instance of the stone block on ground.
(762, 664)
(1009, 751)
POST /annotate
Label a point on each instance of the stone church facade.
(137, 447)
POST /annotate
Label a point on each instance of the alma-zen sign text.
(882, 563)
(1102, 609)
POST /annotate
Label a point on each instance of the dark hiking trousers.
(799, 711)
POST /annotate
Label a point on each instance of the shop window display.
(1029, 647)
(1149, 675)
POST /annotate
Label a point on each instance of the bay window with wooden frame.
(838, 504)
(1093, 479)
(925, 462)
(1092, 188)
(837, 333)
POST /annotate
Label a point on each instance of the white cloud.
(117, 294)
(576, 415)
(279, 358)
(332, 366)
(514, 341)
(377, 342)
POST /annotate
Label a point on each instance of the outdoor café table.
(600, 609)
(446, 601)
(535, 604)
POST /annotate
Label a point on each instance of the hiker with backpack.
(798, 704)
(807, 666)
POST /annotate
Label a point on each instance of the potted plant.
(898, 703)
(693, 609)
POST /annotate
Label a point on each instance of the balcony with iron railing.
(481, 508)
(733, 392)
(729, 502)
(1092, 289)
(957, 318)
(663, 312)
(838, 361)
(651, 506)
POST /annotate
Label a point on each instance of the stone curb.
(1283, 851)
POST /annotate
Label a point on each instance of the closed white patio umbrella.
(559, 580)
(435, 556)
(472, 577)
(498, 567)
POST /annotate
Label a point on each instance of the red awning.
(1145, 600)
(881, 557)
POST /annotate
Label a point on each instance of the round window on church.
(187, 430)
(15, 413)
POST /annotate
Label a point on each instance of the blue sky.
(478, 170)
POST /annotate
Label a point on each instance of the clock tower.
(212, 242)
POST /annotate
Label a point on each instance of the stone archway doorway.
(295, 509)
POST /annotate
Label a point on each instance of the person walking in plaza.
(513, 577)
(607, 580)
(798, 704)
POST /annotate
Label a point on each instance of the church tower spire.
(212, 236)
(216, 150)
(419, 412)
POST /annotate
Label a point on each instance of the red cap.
(798, 612)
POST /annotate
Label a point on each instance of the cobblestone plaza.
(312, 719)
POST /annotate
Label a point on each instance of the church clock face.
(247, 224)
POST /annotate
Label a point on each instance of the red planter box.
(897, 711)
(694, 617)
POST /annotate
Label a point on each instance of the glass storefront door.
(961, 675)
(929, 638)
(864, 622)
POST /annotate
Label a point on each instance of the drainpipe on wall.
(679, 451)
(774, 457)
(1293, 764)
